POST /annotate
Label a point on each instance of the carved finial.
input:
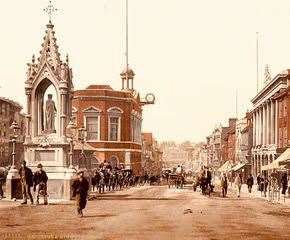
(50, 9)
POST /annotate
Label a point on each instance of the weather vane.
(50, 9)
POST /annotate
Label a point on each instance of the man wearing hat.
(80, 191)
(26, 177)
(40, 183)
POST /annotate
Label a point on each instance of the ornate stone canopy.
(48, 70)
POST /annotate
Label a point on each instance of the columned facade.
(265, 123)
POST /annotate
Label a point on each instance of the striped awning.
(225, 167)
(238, 167)
(280, 162)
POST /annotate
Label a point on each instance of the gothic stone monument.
(48, 115)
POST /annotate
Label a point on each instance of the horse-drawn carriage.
(176, 180)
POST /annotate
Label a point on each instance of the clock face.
(150, 98)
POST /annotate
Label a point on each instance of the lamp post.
(15, 127)
(71, 127)
(81, 139)
(13, 178)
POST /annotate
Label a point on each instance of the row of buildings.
(259, 142)
(175, 154)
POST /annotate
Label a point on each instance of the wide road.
(149, 213)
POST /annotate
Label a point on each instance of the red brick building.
(9, 112)
(229, 142)
(112, 120)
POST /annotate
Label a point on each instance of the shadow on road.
(99, 216)
(135, 199)
(127, 197)
(278, 213)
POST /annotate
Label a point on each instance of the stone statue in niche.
(50, 111)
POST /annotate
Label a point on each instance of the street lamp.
(71, 127)
(81, 137)
(15, 127)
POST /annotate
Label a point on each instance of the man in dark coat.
(40, 183)
(2, 180)
(250, 183)
(80, 191)
(26, 177)
(284, 183)
(224, 185)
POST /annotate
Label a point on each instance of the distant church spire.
(127, 74)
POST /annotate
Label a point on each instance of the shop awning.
(225, 167)
(238, 167)
(283, 159)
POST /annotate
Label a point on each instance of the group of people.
(264, 183)
(273, 183)
(224, 184)
(37, 180)
(105, 178)
(204, 181)
(108, 178)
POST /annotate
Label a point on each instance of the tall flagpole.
(257, 59)
(237, 104)
(127, 35)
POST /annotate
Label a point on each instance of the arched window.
(114, 116)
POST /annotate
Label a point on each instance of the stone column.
(261, 125)
(272, 132)
(63, 109)
(276, 122)
(257, 126)
(254, 128)
(264, 124)
(269, 123)
(28, 114)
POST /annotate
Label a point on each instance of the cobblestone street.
(149, 213)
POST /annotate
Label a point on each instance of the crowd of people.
(268, 185)
(108, 178)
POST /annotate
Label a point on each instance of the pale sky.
(191, 54)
